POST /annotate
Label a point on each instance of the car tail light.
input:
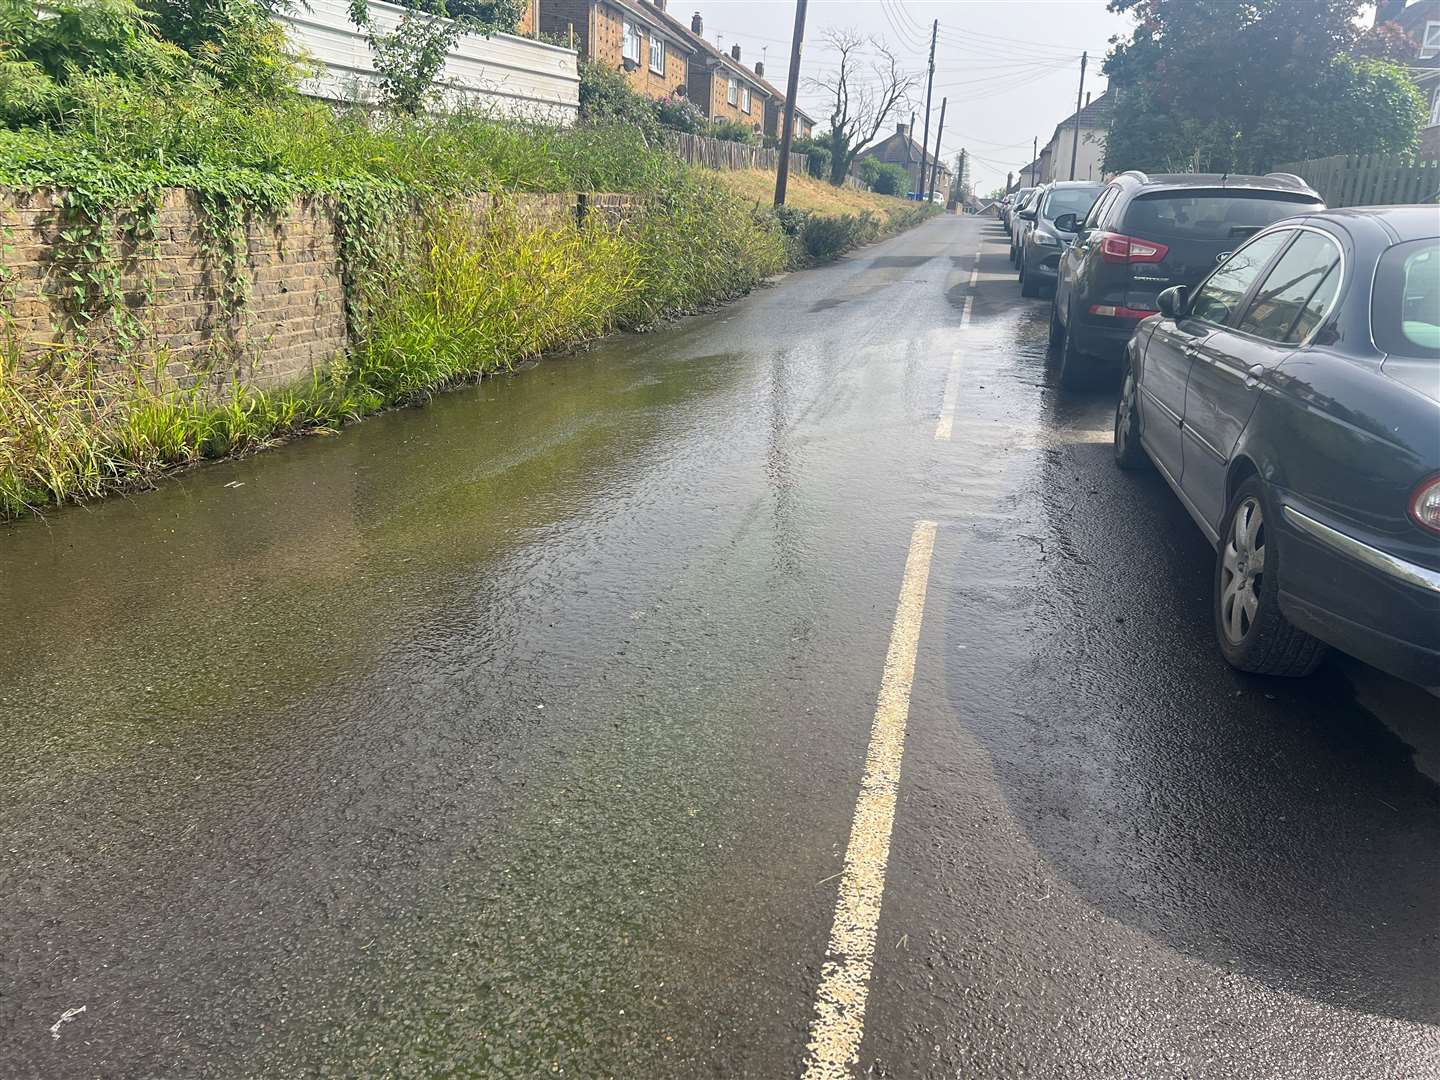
(1116, 248)
(1119, 312)
(1425, 504)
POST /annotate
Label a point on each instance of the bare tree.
(864, 88)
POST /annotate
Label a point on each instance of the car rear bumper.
(1360, 599)
(1101, 335)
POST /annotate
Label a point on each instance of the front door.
(1162, 388)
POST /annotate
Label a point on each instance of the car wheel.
(1057, 328)
(1028, 285)
(1129, 454)
(1254, 634)
(1076, 369)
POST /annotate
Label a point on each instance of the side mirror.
(1028, 215)
(1068, 223)
(1172, 301)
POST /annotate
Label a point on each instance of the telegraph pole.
(929, 85)
(957, 193)
(792, 87)
(939, 131)
(1034, 158)
(1079, 96)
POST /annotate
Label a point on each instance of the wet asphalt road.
(520, 736)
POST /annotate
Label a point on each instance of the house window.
(1432, 37)
(745, 99)
(631, 50)
(732, 94)
(1435, 108)
(657, 54)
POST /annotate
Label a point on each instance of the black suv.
(1143, 235)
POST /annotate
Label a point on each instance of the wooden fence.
(723, 154)
(1370, 181)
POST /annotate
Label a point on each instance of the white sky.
(1010, 68)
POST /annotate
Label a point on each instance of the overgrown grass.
(467, 296)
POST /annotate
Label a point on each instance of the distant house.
(1421, 21)
(653, 50)
(1089, 152)
(900, 149)
(775, 112)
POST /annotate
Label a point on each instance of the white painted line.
(974, 275)
(952, 395)
(845, 978)
(965, 313)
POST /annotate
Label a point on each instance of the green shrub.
(884, 179)
(741, 131)
(819, 155)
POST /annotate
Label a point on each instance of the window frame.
(1100, 207)
(745, 99)
(732, 90)
(629, 29)
(1253, 295)
(657, 41)
(1430, 38)
(1435, 106)
(1242, 302)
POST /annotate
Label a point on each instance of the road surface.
(798, 682)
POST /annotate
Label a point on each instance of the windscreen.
(1206, 216)
(1075, 201)
(1406, 305)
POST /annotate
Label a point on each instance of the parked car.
(1044, 240)
(1017, 203)
(1018, 221)
(1143, 235)
(1292, 401)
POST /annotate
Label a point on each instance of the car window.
(1217, 298)
(1207, 216)
(1298, 292)
(1405, 310)
(1102, 204)
(1075, 201)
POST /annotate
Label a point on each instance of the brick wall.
(292, 321)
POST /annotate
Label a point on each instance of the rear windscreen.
(1075, 201)
(1199, 216)
(1405, 308)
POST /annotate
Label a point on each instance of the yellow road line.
(952, 395)
(839, 1019)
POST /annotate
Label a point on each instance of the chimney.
(697, 24)
(735, 51)
(760, 68)
(902, 130)
(1388, 11)
(1087, 92)
(658, 4)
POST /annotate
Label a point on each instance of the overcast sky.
(1010, 68)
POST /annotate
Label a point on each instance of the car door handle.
(1254, 374)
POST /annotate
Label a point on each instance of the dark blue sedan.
(1292, 401)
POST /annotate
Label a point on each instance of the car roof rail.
(1137, 174)
(1289, 178)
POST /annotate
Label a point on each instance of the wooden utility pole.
(934, 169)
(792, 87)
(1034, 157)
(929, 85)
(1079, 96)
(957, 193)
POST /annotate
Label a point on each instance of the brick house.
(723, 87)
(653, 50)
(775, 112)
(901, 149)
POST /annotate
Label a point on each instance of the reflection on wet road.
(522, 735)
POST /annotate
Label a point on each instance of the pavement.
(796, 691)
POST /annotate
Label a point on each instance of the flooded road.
(522, 734)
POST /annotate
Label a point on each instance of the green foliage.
(1214, 86)
(410, 57)
(883, 178)
(679, 113)
(819, 155)
(740, 131)
(607, 98)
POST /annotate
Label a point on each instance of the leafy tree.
(732, 131)
(818, 154)
(884, 179)
(1240, 87)
(862, 96)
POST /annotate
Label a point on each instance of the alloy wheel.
(1242, 569)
